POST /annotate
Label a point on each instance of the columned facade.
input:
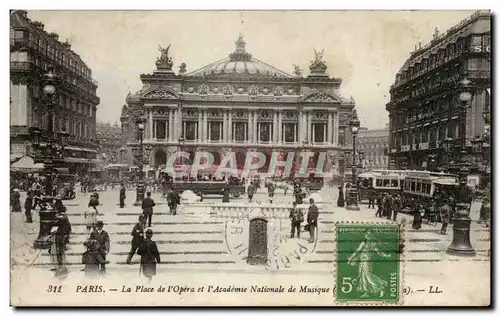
(241, 104)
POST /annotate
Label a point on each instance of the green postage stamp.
(368, 263)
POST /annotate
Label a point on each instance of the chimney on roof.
(38, 25)
(54, 36)
(66, 44)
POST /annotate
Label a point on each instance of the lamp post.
(352, 201)
(47, 156)
(461, 222)
(181, 141)
(140, 161)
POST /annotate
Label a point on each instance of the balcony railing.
(20, 66)
(478, 74)
(26, 43)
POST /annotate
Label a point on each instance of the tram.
(423, 185)
(377, 181)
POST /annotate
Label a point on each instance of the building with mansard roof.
(424, 105)
(109, 138)
(374, 144)
(32, 51)
(239, 104)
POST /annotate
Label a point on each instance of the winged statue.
(164, 53)
(164, 62)
(319, 56)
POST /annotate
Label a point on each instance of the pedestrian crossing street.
(194, 240)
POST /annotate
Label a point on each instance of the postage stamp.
(368, 263)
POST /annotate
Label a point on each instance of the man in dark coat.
(371, 198)
(380, 200)
(137, 237)
(388, 206)
(446, 213)
(58, 205)
(297, 191)
(123, 192)
(270, 191)
(296, 218)
(147, 208)
(28, 206)
(61, 238)
(150, 255)
(173, 199)
(396, 207)
(485, 211)
(340, 199)
(226, 193)
(417, 216)
(103, 238)
(15, 201)
(92, 258)
(64, 227)
(251, 191)
(312, 219)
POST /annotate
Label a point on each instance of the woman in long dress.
(369, 284)
(340, 200)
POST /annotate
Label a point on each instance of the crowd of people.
(97, 243)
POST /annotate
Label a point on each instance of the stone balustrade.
(239, 210)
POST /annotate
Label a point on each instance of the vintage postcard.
(250, 158)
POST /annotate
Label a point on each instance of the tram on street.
(377, 181)
(423, 185)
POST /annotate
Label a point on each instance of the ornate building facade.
(239, 104)
(110, 140)
(424, 105)
(374, 143)
(32, 51)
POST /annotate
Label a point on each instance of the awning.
(83, 160)
(26, 163)
(73, 148)
(365, 175)
(14, 158)
(116, 166)
(62, 170)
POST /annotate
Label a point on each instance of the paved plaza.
(194, 249)
(189, 242)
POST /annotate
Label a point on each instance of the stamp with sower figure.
(368, 263)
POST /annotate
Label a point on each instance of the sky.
(363, 48)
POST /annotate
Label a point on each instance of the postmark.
(368, 263)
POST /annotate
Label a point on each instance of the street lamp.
(47, 217)
(461, 222)
(140, 161)
(352, 201)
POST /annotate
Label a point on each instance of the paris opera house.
(240, 104)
